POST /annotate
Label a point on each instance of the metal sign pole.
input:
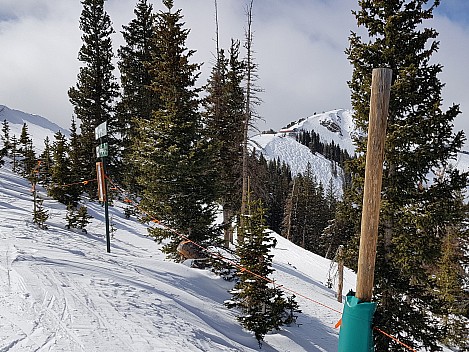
(102, 152)
(106, 209)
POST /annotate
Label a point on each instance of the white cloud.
(300, 50)
(38, 62)
(454, 56)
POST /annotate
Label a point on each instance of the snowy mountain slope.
(333, 126)
(38, 126)
(60, 290)
(297, 156)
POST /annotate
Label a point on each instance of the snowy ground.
(61, 291)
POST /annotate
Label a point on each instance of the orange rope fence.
(394, 339)
(84, 183)
(217, 255)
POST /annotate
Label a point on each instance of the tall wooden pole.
(340, 269)
(379, 106)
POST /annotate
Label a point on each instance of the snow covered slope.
(38, 126)
(333, 126)
(297, 156)
(61, 291)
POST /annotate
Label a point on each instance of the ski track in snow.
(60, 290)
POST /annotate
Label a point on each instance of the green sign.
(101, 150)
(101, 130)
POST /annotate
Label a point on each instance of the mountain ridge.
(332, 126)
(38, 126)
(18, 117)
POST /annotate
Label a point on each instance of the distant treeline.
(331, 151)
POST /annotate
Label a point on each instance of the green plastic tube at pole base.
(356, 334)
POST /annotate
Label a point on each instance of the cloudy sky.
(300, 51)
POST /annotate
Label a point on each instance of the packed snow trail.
(61, 291)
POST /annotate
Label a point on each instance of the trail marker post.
(379, 106)
(356, 333)
(340, 270)
(102, 152)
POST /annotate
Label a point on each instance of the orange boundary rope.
(394, 339)
(84, 183)
(243, 269)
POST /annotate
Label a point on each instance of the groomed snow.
(61, 291)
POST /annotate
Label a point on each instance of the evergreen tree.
(224, 114)
(83, 218)
(60, 171)
(14, 153)
(25, 138)
(29, 159)
(307, 214)
(262, 305)
(330, 151)
(451, 287)
(26, 151)
(40, 214)
(46, 163)
(270, 182)
(71, 217)
(258, 178)
(420, 143)
(138, 101)
(343, 228)
(3, 153)
(77, 218)
(6, 135)
(96, 87)
(75, 162)
(176, 170)
(278, 189)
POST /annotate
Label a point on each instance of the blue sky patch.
(455, 10)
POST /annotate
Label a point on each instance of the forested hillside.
(185, 154)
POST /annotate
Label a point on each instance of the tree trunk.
(227, 227)
(247, 120)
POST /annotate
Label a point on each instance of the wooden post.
(340, 269)
(379, 106)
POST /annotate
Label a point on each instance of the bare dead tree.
(252, 100)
